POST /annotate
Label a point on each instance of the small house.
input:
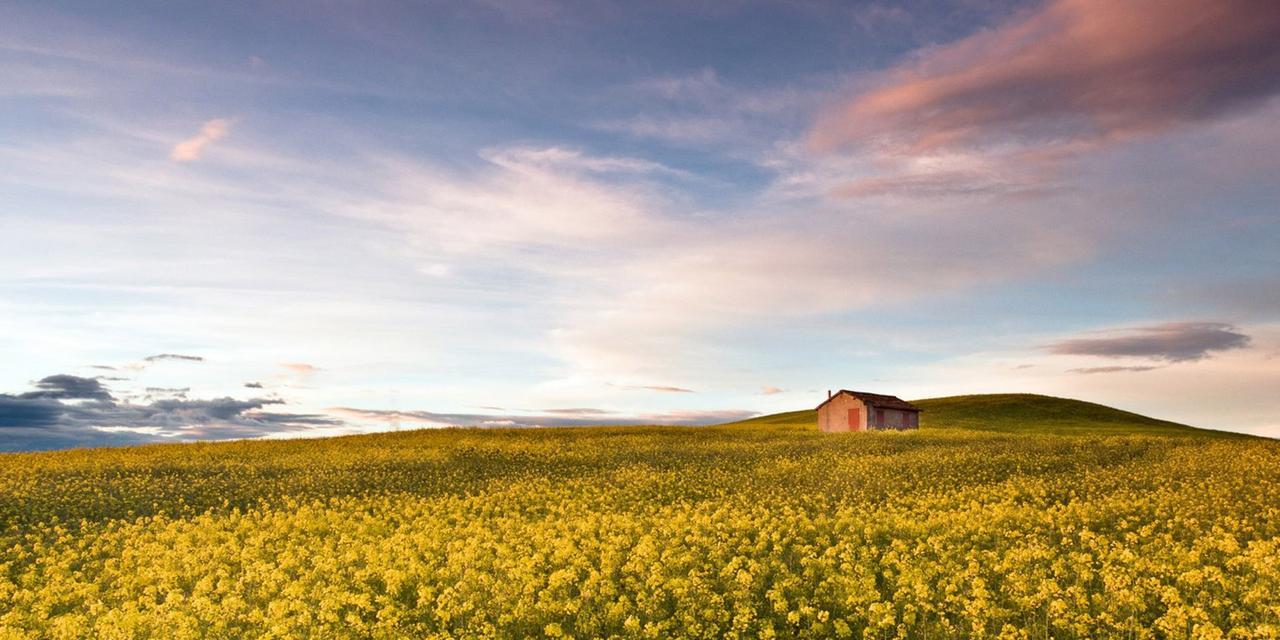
(860, 411)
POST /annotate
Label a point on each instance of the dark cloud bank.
(66, 411)
(69, 411)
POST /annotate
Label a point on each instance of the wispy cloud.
(578, 411)
(521, 158)
(548, 419)
(167, 392)
(948, 184)
(173, 356)
(769, 391)
(1115, 369)
(192, 148)
(1169, 342)
(659, 388)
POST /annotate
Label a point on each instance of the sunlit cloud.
(1074, 71)
(192, 148)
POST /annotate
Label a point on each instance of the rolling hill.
(1015, 413)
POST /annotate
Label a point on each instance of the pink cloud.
(300, 368)
(191, 149)
(1075, 73)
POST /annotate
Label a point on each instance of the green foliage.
(752, 530)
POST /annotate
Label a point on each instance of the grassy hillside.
(1045, 414)
(756, 530)
(1014, 412)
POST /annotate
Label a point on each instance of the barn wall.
(834, 415)
(899, 419)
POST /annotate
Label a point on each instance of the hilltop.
(1015, 412)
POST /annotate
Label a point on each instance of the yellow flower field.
(734, 532)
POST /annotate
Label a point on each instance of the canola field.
(760, 530)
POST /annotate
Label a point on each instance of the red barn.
(860, 411)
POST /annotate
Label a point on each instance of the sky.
(288, 218)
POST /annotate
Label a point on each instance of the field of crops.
(765, 529)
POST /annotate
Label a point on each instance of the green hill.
(1014, 412)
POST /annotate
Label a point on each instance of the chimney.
(828, 394)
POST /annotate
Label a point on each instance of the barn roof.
(877, 400)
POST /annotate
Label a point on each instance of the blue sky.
(383, 215)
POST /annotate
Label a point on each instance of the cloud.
(1074, 72)
(522, 202)
(17, 411)
(944, 184)
(635, 282)
(700, 109)
(1169, 342)
(1114, 369)
(677, 129)
(434, 419)
(659, 388)
(253, 385)
(190, 149)
(300, 368)
(875, 16)
(665, 312)
(175, 392)
(576, 411)
(69, 411)
(768, 391)
(522, 158)
(68, 387)
(172, 356)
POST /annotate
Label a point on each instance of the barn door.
(855, 420)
